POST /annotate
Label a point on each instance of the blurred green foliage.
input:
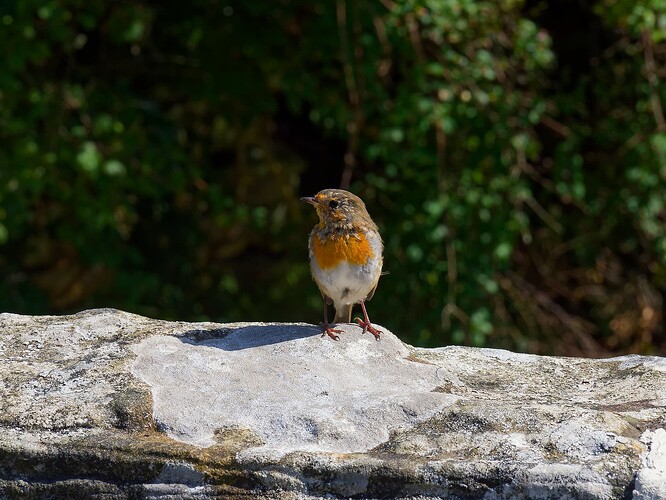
(513, 154)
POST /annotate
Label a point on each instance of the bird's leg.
(328, 330)
(365, 323)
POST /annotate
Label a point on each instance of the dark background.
(512, 153)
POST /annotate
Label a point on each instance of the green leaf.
(89, 157)
(114, 168)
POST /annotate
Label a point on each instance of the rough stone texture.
(109, 404)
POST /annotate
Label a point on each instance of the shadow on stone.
(251, 336)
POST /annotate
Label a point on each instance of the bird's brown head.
(337, 207)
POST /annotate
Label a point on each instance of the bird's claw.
(331, 332)
(367, 326)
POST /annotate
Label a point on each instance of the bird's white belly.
(347, 284)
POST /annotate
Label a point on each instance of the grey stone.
(651, 479)
(109, 404)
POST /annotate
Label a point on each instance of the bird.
(346, 256)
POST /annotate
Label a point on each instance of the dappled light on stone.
(296, 391)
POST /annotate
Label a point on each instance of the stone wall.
(116, 405)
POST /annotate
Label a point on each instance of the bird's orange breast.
(332, 251)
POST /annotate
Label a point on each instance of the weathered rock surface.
(110, 404)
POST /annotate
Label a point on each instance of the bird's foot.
(330, 331)
(367, 326)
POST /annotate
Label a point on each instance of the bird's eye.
(333, 204)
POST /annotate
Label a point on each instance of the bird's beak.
(311, 200)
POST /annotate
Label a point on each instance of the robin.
(345, 251)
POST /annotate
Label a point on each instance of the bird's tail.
(343, 313)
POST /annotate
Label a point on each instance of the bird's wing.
(372, 292)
